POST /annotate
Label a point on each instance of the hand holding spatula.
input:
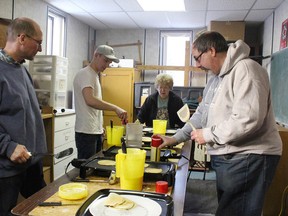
(184, 116)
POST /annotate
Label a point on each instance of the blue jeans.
(88, 144)
(27, 183)
(242, 181)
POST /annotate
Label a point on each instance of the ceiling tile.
(129, 5)
(230, 4)
(195, 19)
(267, 4)
(192, 5)
(97, 5)
(225, 16)
(258, 15)
(199, 13)
(116, 20)
(150, 19)
(90, 20)
(65, 5)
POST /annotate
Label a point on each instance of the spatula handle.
(192, 126)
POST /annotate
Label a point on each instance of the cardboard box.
(231, 30)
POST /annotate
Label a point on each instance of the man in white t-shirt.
(89, 103)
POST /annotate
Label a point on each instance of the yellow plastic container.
(119, 158)
(159, 126)
(131, 168)
(114, 135)
(73, 191)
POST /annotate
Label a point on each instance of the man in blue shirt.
(21, 124)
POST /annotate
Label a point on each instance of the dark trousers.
(242, 181)
(27, 183)
(88, 144)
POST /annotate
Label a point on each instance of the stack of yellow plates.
(73, 191)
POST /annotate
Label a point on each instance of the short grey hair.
(164, 79)
(21, 25)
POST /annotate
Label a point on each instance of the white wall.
(272, 32)
(77, 49)
(6, 9)
(150, 49)
(81, 42)
(77, 32)
(23, 8)
(272, 29)
(120, 37)
(267, 41)
(280, 15)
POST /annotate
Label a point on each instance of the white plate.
(171, 131)
(147, 129)
(144, 207)
(168, 131)
(146, 139)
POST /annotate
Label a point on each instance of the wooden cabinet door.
(118, 88)
(3, 29)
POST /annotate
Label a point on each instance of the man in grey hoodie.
(236, 123)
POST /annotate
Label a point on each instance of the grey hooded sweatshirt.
(236, 112)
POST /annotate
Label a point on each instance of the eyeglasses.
(197, 59)
(39, 42)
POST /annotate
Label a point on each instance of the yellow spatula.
(184, 115)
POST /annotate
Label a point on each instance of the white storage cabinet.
(64, 142)
(49, 74)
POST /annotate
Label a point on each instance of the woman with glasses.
(163, 104)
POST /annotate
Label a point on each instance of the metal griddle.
(164, 153)
(93, 168)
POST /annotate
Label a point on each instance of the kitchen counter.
(30, 205)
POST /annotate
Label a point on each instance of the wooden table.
(178, 191)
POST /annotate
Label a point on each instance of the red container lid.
(162, 187)
(156, 141)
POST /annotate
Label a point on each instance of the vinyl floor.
(202, 193)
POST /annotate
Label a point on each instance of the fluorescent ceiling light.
(162, 5)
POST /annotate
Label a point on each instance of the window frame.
(164, 34)
(53, 13)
